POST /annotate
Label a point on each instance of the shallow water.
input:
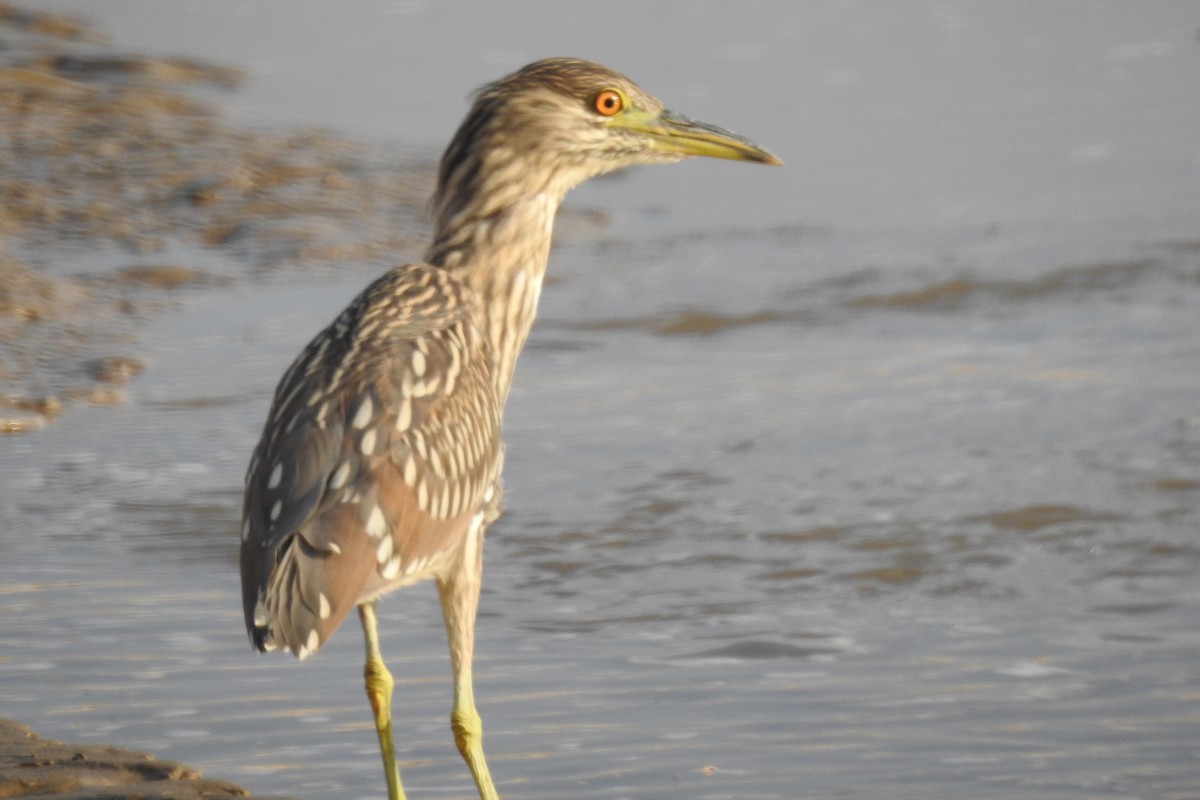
(873, 476)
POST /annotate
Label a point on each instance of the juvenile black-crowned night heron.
(379, 465)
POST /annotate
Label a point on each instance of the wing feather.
(381, 444)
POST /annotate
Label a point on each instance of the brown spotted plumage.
(379, 449)
(380, 461)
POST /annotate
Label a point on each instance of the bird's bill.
(674, 133)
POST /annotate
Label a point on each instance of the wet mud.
(31, 766)
(113, 159)
(955, 293)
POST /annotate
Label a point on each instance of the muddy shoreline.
(122, 174)
(31, 766)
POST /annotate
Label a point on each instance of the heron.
(379, 463)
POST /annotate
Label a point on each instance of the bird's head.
(559, 121)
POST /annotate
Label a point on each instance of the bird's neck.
(502, 256)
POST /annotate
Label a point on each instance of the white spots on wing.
(410, 471)
(413, 382)
(276, 476)
(310, 645)
(452, 369)
(383, 553)
(423, 496)
(334, 548)
(362, 417)
(413, 386)
(245, 529)
(376, 524)
(391, 569)
(369, 324)
(283, 404)
(367, 445)
(323, 607)
(435, 463)
(339, 477)
(420, 565)
(322, 347)
(276, 510)
(404, 415)
(260, 614)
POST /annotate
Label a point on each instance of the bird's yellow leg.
(460, 597)
(468, 734)
(379, 692)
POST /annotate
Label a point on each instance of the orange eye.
(607, 103)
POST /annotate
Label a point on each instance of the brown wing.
(382, 442)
